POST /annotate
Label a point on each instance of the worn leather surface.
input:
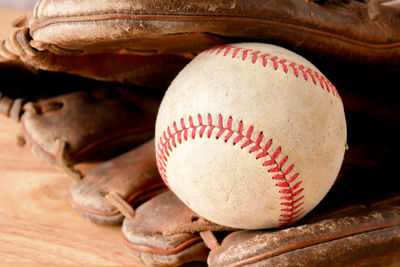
(362, 31)
(143, 234)
(370, 237)
(150, 70)
(132, 175)
(95, 124)
(148, 42)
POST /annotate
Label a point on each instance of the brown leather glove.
(88, 125)
(356, 43)
(148, 42)
(355, 236)
(111, 191)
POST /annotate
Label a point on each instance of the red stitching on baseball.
(290, 194)
(255, 56)
(276, 61)
(235, 51)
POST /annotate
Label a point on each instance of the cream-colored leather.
(250, 136)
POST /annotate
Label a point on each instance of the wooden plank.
(37, 222)
(7, 16)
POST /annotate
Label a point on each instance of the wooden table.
(37, 223)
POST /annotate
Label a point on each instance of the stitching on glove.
(150, 249)
(61, 160)
(278, 64)
(143, 17)
(120, 204)
(290, 187)
(137, 196)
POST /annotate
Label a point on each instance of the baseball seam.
(298, 70)
(290, 189)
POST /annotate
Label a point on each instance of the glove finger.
(143, 234)
(370, 236)
(93, 126)
(173, 27)
(133, 176)
(64, 36)
(128, 66)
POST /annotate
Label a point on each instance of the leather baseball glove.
(147, 42)
(111, 62)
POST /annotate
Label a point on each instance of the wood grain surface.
(7, 16)
(37, 223)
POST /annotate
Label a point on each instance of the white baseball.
(250, 135)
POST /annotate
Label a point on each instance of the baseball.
(250, 136)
